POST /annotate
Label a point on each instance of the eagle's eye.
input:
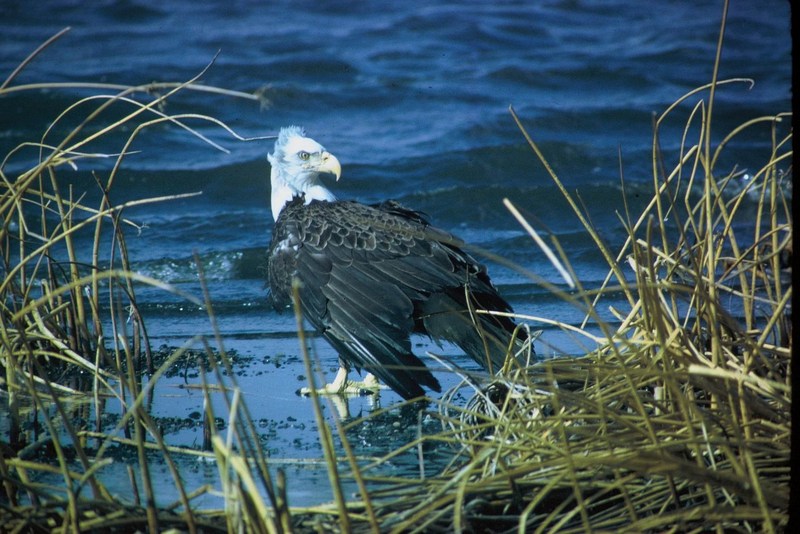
(304, 155)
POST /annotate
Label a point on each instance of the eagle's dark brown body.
(370, 276)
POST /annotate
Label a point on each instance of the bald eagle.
(371, 275)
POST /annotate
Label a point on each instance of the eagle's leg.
(341, 385)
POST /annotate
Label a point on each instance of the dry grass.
(71, 335)
(680, 420)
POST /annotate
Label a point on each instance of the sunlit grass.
(680, 418)
(72, 335)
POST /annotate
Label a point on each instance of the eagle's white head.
(297, 163)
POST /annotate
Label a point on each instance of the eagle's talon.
(341, 385)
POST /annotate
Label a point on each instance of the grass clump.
(680, 419)
(72, 339)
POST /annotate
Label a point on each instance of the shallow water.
(414, 102)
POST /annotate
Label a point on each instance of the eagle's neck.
(283, 191)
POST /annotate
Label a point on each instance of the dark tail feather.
(485, 338)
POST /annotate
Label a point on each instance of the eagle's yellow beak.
(329, 163)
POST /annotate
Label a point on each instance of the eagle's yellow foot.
(342, 386)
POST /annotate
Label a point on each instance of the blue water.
(413, 100)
